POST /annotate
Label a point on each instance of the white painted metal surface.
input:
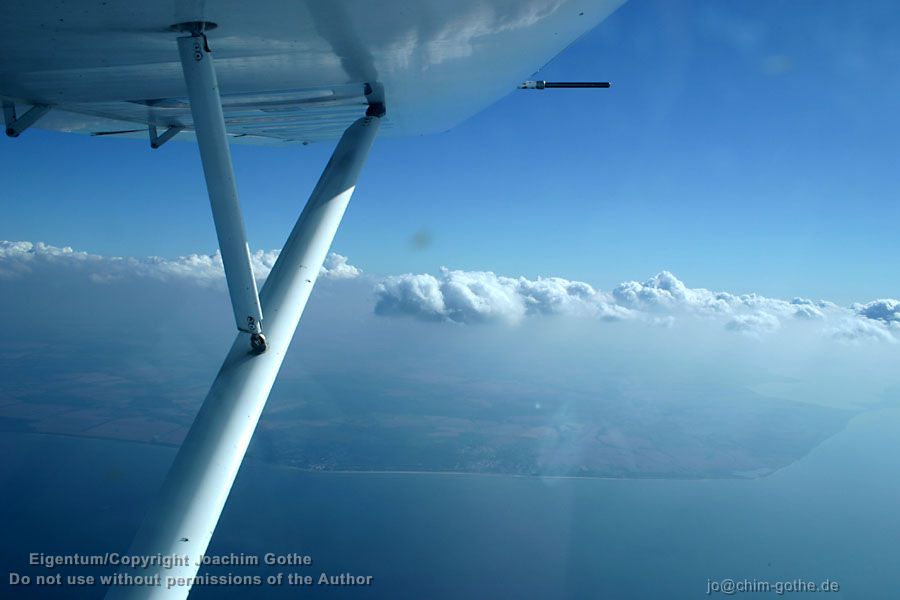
(289, 70)
(182, 519)
(209, 127)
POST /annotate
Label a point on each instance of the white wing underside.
(289, 71)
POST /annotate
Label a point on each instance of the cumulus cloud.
(483, 296)
(666, 293)
(337, 267)
(886, 311)
(19, 258)
(810, 310)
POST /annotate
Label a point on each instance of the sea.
(831, 519)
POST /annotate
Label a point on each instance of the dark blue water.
(832, 515)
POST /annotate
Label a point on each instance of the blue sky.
(745, 146)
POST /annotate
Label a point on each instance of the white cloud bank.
(482, 296)
(19, 258)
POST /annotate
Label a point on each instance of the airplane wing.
(289, 71)
(270, 72)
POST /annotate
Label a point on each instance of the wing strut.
(16, 125)
(209, 127)
(182, 519)
(157, 140)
